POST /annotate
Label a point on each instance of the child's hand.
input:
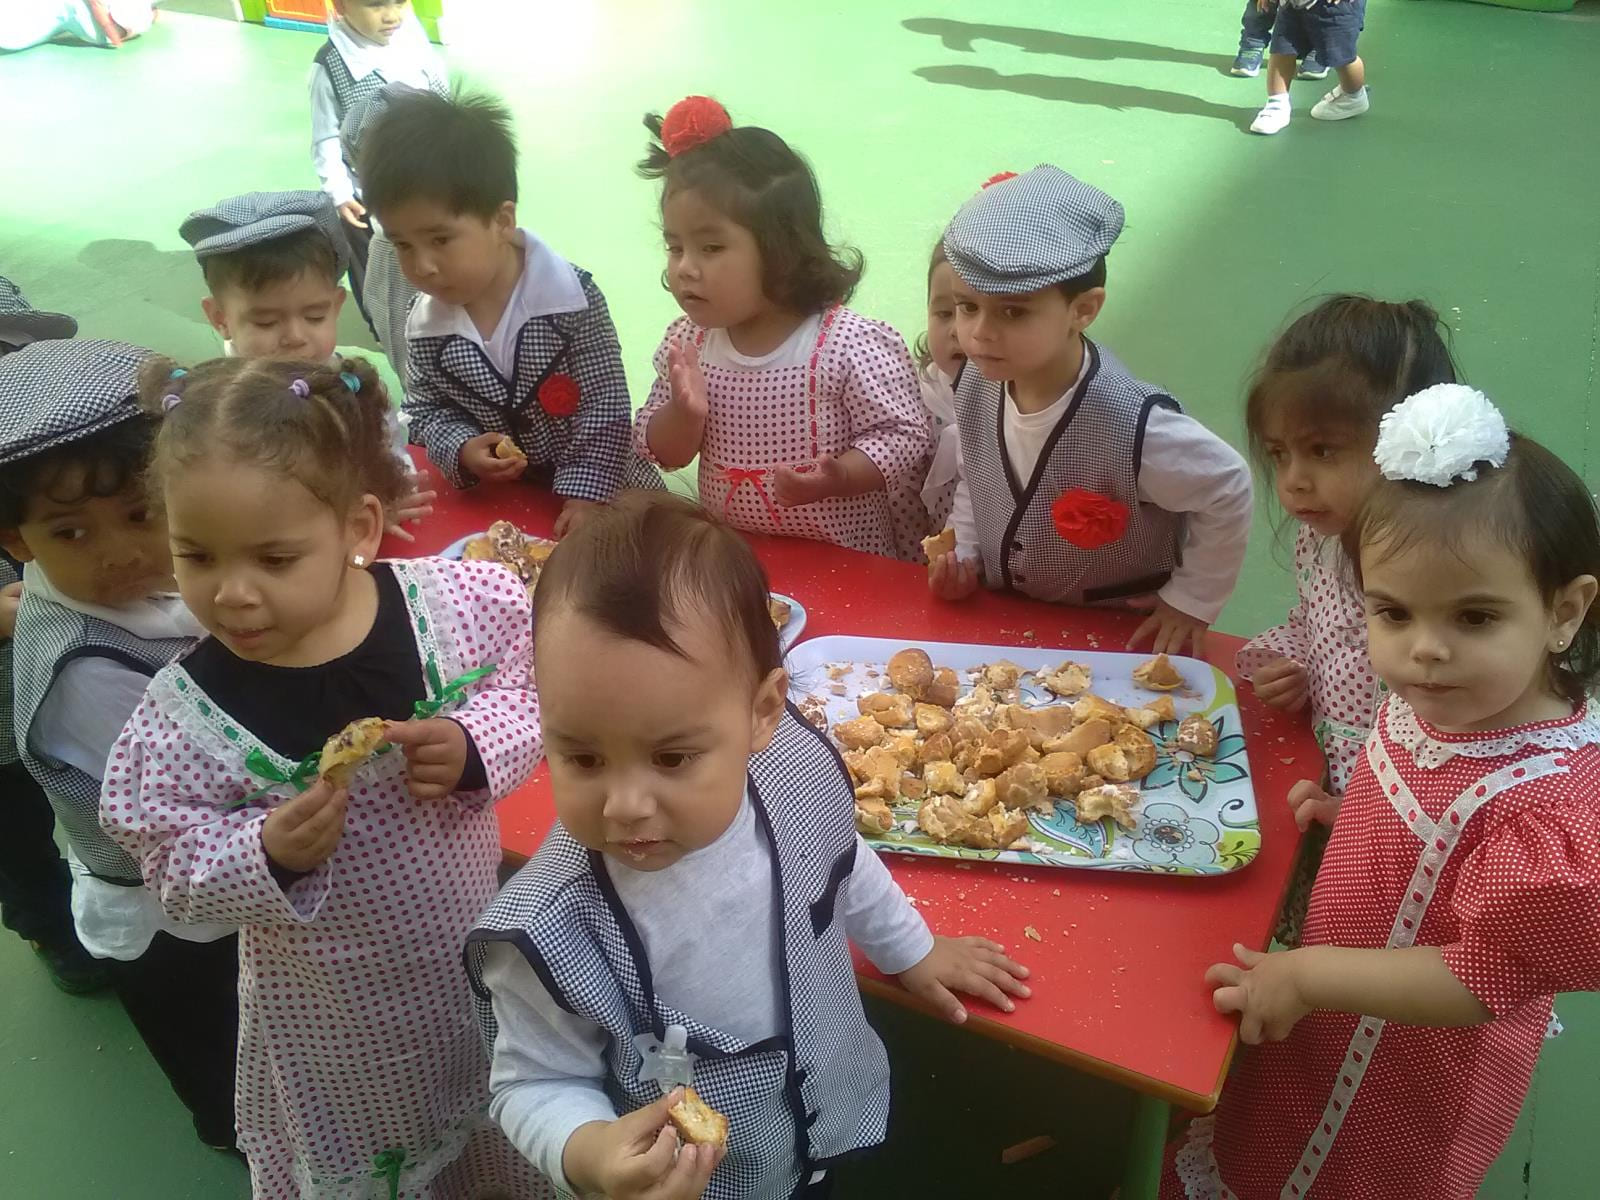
(972, 965)
(1265, 992)
(686, 381)
(10, 601)
(950, 578)
(302, 834)
(1282, 683)
(479, 460)
(573, 514)
(806, 483)
(353, 211)
(632, 1158)
(436, 755)
(1169, 629)
(1310, 803)
(410, 510)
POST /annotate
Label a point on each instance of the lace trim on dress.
(1431, 749)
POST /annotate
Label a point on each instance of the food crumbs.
(1055, 891)
(1028, 931)
(1194, 775)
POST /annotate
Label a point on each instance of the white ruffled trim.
(1196, 1164)
(1403, 725)
(415, 1175)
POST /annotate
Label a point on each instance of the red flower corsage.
(558, 395)
(1087, 519)
(691, 122)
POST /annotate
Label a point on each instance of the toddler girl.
(705, 873)
(1461, 887)
(939, 363)
(804, 414)
(358, 1055)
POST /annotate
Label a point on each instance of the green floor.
(1472, 183)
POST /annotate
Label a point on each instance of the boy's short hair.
(1094, 277)
(288, 257)
(106, 463)
(458, 152)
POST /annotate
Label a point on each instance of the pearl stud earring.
(358, 561)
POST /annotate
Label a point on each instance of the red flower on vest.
(1087, 519)
(558, 395)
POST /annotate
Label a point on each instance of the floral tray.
(1197, 816)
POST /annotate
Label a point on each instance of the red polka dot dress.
(358, 1046)
(1487, 846)
(1326, 633)
(855, 387)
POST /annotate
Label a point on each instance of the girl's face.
(713, 264)
(1322, 476)
(1464, 636)
(942, 342)
(637, 773)
(264, 564)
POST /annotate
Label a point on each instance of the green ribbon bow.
(389, 1163)
(304, 773)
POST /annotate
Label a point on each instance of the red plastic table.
(1117, 951)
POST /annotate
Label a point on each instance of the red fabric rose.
(558, 395)
(691, 122)
(1000, 178)
(1087, 519)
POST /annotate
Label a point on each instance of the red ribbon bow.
(558, 395)
(1088, 519)
(737, 477)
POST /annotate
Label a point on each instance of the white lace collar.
(1431, 748)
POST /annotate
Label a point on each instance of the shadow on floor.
(960, 35)
(1116, 96)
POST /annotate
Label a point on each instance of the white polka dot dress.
(858, 389)
(357, 1037)
(1486, 846)
(1326, 633)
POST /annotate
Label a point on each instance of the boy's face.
(453, 257)
(105, 550)
(376, 20)
(637, 773)
(1023, 336)
(292, 318)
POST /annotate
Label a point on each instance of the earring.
(1561, 643)
(358, 561)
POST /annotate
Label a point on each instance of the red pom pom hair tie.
(693, 121)
(1087, 519)
(558, 395)
(1000, 178)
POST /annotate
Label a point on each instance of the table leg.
(1147, 1139)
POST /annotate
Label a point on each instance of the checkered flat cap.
(240, 222)
(21, 322)
(364, 112)
(1031, 232)
(56, 392)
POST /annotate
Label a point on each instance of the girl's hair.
(644, 565)
(1344, 364)
(333, 439)
(919, 348)
(751, 175)
(1535, 506)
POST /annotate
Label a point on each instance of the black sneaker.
(72, 968)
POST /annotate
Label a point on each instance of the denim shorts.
(1329, 29)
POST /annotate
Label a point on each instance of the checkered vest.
(794, 1102)
(8, 721)
(1020, 546)
(49, 636)
(347, 89)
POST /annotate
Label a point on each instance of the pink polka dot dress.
(857, 389)
(358, 1046)
(1326, 633)
(1485, 845)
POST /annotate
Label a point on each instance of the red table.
(1117, 976)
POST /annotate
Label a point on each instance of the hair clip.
(170, 401)
(1441, 434)
(351, 380)
(177, 373)
(300, 388)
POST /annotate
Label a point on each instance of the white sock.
(1281, 100)
(1360, 91)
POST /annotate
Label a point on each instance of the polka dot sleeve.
(660, 389)
(1528, 903)
(162, 801)
(493, 623)
(1289, 639)
(888, 422)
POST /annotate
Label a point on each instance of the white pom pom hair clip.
(1441, 434)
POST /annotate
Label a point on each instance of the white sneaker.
(1272, 119)
(1339, 105)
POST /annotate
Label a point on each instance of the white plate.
(1187, 826)
(787, 636)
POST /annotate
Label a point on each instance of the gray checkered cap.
(58, 391)
(21, 322)
(1031, 232)
(240, 222)
(364, 112)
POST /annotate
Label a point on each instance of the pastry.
(1024, 786)
(478, 549)
(980, 797)
(508, 449)
(1159, 675)
(859, 733)
(944, 689)
(1068, 679)
(942, 542)
(1003, 675)
(1198, 736)
(911, 671)
(697, 1122)
(931, 719)
(1092, 708)
(892, 711)
(873, 816)
(1063, 773)
(779, 610)
(345, 751)
(943, 777)
(1138, 747)
(935, 748)
(1081, 740)
(1114, 800)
